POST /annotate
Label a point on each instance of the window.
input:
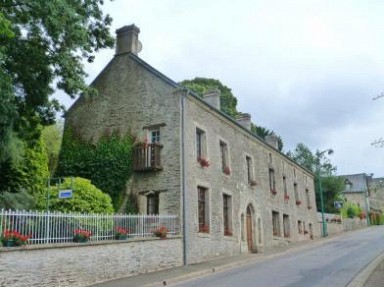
(286, 196)
(296, 192)
(227, 203)
(275, 223)
(300, 227)
(224, 158)
(201, 148)
(272, 183)
(203, 209)
(270, 158)
(308, 199)
(153, 203)
(286, 226)
(155, 136)
(250, 176)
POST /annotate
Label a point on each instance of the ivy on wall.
(108, 163)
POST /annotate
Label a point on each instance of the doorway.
(249, 224)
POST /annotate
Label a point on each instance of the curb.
(365, 273)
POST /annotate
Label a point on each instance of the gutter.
(183, 173)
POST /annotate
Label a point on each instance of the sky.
(308, 70)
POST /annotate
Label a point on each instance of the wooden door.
(249, 230)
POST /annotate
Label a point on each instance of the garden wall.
(85, 264)
(347, 224)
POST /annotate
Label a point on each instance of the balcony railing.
(146, 157)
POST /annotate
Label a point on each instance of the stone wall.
(86, 264)
(347, 224)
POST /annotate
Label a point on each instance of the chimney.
(212, 97)
(127, 40)
(244, 119)
(271, 139)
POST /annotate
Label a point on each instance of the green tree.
(319, 164)
(52, 137)
(86, 198)
(42, 42)
(263, 132)
(228, 102)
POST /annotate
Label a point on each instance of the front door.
(249, 230)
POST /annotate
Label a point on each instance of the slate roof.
(358, 183)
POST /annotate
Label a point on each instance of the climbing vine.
(108, 163)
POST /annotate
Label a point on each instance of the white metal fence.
(57, 227)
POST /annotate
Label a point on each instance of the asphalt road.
(332, 264)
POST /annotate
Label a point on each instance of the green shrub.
(86, 198)
(20, 200)
(350, 210)
(108, 163)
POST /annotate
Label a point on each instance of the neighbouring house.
(233, 191)
(365, 191)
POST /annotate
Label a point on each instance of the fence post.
(47, 227)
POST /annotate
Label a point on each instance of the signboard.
(67, 193)
(338, 204)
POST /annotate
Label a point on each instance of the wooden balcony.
(146, 157)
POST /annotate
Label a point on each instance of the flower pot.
(80, 239)
(121, 236)
(8, 243)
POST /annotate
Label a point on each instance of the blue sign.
(67, 193)
(338, 204)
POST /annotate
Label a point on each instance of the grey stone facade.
(134, 97)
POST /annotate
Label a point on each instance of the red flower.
(227, 170)
(204, 228)
(203, 162)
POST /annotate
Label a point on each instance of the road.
(332, 264)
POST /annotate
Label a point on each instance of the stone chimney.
(272, 140)
(244, 119)
(212, 97)
(127, 40)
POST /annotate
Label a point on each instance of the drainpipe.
(183, 173)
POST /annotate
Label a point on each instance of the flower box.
(161, 232)
(273, 191)
(81, 235)
(204, 228)
(228, 232)
(121, 233)
(12, 238)
(203, 162)
(298, 202)
(252, 182)
(286, 197)
(227, 170)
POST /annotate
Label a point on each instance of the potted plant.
(286, 197)
(227, 170)
(81, 235)
(204, 228)
(228, 232)
(13, 238)
(121, 233)
(161, 232)
(252, 182)
(273, 191)
(298, 202)
(203, 162)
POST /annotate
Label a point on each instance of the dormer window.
(348, 185)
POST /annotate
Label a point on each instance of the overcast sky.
(307, 70)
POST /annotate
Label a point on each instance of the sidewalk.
(371, 276)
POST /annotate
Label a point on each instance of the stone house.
(233, 191)
(365, 191)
